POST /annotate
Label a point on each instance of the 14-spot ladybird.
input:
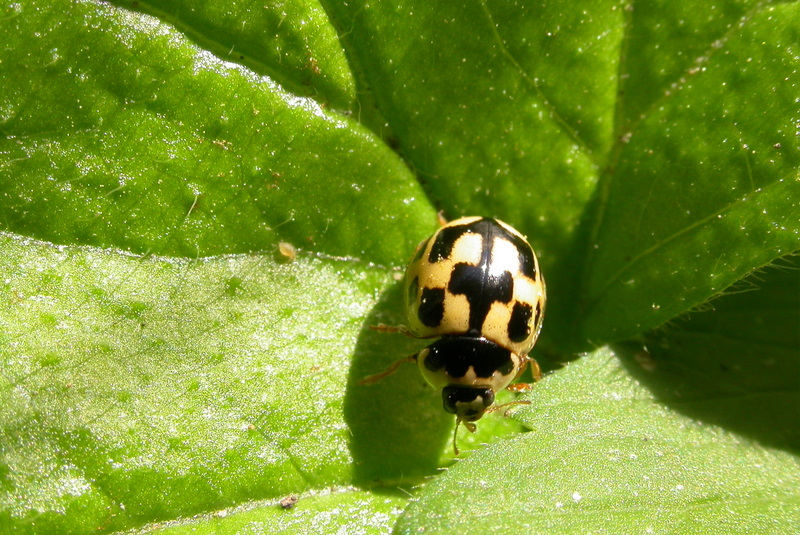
(476, 287)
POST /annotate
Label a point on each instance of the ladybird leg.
(521, 387)
(442, 222)
(536, 371)
(520, 402)
(389, 329)
(372, 379)
(510, 403)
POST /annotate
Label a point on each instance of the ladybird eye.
(468, 402)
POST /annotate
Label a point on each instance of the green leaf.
(341, 511)
(127, 134)
(704, 188)
(481, 99)
(304, 54)
(155, 388)
(163, 367)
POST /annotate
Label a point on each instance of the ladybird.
(476, 287)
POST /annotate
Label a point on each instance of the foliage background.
(165, 370)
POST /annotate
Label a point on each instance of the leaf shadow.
(715, 387)
(398, 428)
(735, 361)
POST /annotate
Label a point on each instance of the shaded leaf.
(705, 189)
(738, 364)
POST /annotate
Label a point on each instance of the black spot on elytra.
(488, 228)
(456, 354)
(474, 281)
(519, 324)
(431, 307)
(446, 238)
(527, 262)
(481, 290)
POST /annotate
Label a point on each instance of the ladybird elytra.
(475, 286)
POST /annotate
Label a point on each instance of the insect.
(476, 287)
(288, 502)
(287, 251)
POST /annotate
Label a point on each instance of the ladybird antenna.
(471, 427)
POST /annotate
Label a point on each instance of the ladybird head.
(468, 403)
